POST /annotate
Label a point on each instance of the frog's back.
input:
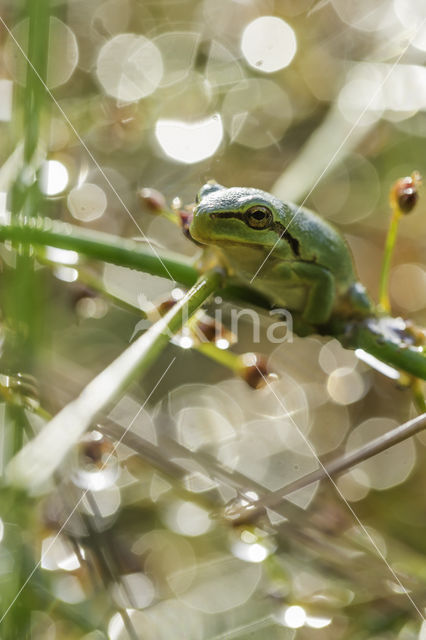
(326, 246)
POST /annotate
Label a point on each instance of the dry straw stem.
(336, 467)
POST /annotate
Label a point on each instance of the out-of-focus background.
(322, 103)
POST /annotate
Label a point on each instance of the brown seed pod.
(405, 192)
(255, 370)
(94, 449)
(185, 218)
(165, 306)
(152, 200)
(208, 329)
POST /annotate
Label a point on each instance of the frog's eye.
(258, 217)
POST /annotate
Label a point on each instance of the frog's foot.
(356, 303)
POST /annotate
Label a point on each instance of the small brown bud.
(94, 449)
(185, 218)
(165, 306)
(153, 200)
(404, 193)
(255, 370)
(207, 329)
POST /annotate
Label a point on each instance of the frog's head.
(209, 187)
(237, 216)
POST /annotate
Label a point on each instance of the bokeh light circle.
(413, 297)
(222, 67)
(349, 193)
(59, 67)
(178, 50)
(345, 385)
(190, 142)
(187, 518)
(129, 67)
(222, 584)
(365, 15)
(256, 113)
(87, 202)
(268, 44)
(294, 617)
(54, 177)
(134, 590)
(412, 15)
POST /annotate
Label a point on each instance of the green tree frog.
(290, 254)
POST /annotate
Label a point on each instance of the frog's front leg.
(321, 289)
(321, 293)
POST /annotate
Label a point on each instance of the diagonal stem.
(98, 245)
(335, 467)
(37, 461)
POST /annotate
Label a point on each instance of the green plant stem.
(223, 357)
(22, 311)
(114, 250)
(418, 397)
(128, 253)
(38, 460)
(10, 169)
(97, 245)
(38, 40)
(387, 257)
(399, 355)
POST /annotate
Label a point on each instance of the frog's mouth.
(205, 230)
(228, 214)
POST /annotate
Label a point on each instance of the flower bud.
(153, 200)
(255, 370)
(185, 218)
(404, 193)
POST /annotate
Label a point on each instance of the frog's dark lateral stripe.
(283, 233)
(276, 226)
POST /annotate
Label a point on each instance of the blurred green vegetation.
(130, 541)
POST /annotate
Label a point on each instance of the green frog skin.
(308, 267)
